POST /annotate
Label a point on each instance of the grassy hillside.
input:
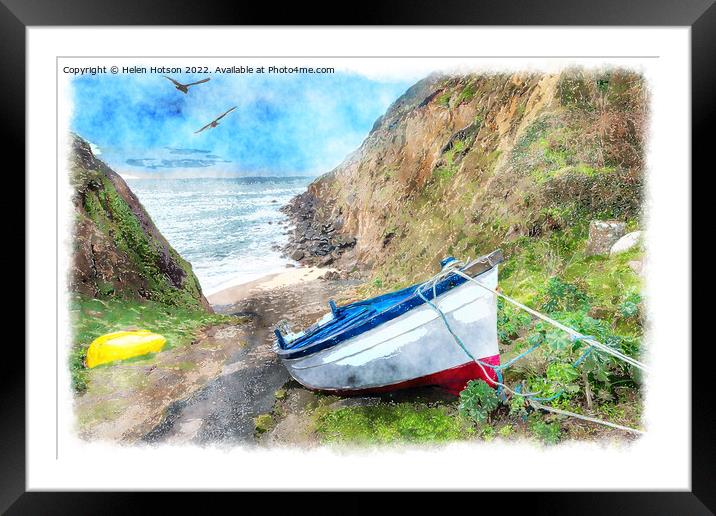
(537, 159)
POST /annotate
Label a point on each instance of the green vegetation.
(597, 296)
(444, 99)
(444, 173)
(113, 216)
(506, 431)
(548, 433)
(449, 167)
(467, 93)
(392, 422)
(263, 422)
(571, 289)
(478, 400)
(94, 317)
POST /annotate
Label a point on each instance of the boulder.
(344, 240)
(625, 243)
(297, 255)
(603, 234)
(637, 266)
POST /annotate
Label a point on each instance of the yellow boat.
(121, 345)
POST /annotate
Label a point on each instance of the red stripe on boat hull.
(453, 380)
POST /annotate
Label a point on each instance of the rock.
(326, 261)
(321, 249)
(292, 430)
(625, 243)
(344, 241)
(331, 275)
(603, 234)
(297, 255)
(637, 266)
(297, 399)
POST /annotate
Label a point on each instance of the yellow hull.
(121, 345)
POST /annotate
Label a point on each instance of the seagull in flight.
(215, 122)
(184, 88)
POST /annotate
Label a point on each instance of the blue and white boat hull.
(414, 348)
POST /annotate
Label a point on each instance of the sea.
(225, 227)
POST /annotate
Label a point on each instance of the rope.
(464, 348)
(575, 334)
(591, 342)
(539, 406)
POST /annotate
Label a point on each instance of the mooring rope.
(539, 406)
(574, 333)
(591, 342)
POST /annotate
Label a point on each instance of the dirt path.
(223, 410)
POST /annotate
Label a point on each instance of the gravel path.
(222, 411)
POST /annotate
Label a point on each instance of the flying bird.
(184, 88)
(215, 122)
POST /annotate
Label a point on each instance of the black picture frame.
(700, 15)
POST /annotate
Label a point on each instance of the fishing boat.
(400, 340)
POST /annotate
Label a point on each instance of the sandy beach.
(288, 278)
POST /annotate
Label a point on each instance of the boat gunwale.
(290, 361)
(490, 260)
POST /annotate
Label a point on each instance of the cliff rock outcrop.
(463, 164)
(117, 250)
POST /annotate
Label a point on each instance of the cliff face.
(117, 249)
(463, 164)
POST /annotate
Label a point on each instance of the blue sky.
(283, 124)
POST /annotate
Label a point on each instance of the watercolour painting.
(269, 253)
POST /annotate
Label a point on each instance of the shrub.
(548, 433)
(510, 321)
(478, 400)
(563, 296)
(630, 306)
(518, 406)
